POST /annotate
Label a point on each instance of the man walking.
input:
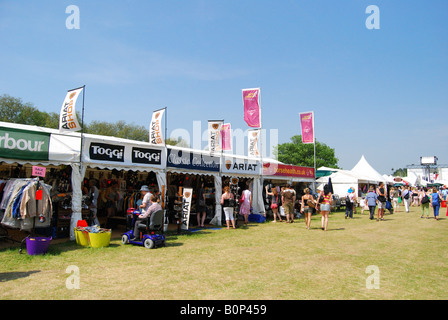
(288, 200)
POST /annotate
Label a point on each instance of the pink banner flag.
(307, 124)
(226, 136)
(252, 112)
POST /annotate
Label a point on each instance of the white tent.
(341, 180)
(366, 172)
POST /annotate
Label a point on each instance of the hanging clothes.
(20, 204)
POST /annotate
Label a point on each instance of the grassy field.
(274, 261)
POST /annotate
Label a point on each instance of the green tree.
(119, 129)
(14, 110)
(402, 172)
(297, 153)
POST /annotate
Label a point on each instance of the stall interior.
(280, 185)
(236, 186)
(116, 192)
(200, 213)
(58, 182)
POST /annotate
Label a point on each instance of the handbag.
(242, 198)
(275, 205)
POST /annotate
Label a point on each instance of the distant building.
(428, 173)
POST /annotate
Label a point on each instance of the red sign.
(287, 170)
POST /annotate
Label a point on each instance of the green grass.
(264, 261)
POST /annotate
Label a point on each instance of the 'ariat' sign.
(24, 144)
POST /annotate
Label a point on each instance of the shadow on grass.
(8, 276)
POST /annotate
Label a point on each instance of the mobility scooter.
(151, 232)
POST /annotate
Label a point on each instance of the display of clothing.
(21, 207)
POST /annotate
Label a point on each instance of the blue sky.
(380, 93)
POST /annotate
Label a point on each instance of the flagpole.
(314, 134)
(166, 125)
(82, 123)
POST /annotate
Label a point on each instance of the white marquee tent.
(342, 180)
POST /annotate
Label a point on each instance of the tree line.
(14, 110)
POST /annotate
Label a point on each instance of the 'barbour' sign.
(24, 144)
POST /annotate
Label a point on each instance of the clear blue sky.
(382, 93)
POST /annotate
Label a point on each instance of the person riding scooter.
(147, 209)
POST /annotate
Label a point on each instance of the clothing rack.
(16, 205)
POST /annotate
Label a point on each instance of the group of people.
(376, 197)
(286, 198)
(228, 203)
(417, 196)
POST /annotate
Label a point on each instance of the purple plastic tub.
(37, 245)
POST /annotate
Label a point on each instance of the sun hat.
(144, 188)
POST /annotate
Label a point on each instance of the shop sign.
(186, 207)
(241, 166)
(106, 152)
(146, 156)
(24, 144)
(190, 160)
(286, 170)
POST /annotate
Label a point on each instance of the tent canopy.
(366, 172)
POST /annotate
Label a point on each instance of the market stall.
(279, 175)
(121, 167)
(24, 146)
(186, 168)
(249, 174)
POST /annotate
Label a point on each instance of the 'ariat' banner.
(67, 118)
(214, 135)
(155, 128)
(253, 137)
(186, 206)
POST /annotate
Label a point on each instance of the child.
(363, 205)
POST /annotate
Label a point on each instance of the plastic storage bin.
(99, 240)
(82, 237)
(37, 245)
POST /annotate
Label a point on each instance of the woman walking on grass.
(381, 193)
(274, 203)
(246, 204)
(424, 200)
(325, 201)
(226, 202)
(307, 207)
(372, 200)
(435, 202)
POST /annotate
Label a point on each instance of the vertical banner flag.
(186, 207)
(226, 135)
(214, 135)
(307, 124)
(253, 136)
(252, 112)
(155, 128)
(67, 118)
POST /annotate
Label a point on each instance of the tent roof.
(366, 172)
(341, 176)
